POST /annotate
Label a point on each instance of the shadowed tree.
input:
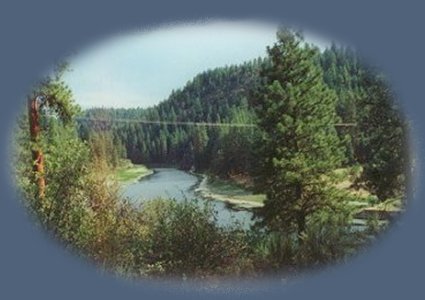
(383, 142)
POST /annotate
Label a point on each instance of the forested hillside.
(216, 96)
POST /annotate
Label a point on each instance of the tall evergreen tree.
(300, 147)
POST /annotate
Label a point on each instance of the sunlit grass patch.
(133, 172)
(234, 191)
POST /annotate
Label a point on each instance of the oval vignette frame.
(406, 217)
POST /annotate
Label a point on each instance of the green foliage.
(220, 96)
(66, 165)
(383, 146)
(105, 148)
(65, 157)
(83, 210)
(183, 238)
(274, 251)
(379, 141)
(214, 96)
(300, 147)
(329, 237)
(234, 150)
(298, 96)
(56, 96)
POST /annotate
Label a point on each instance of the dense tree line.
(216, 96)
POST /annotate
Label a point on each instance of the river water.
(179, 185)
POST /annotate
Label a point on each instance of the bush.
(274, 252)
(182, 239)
(329, 238)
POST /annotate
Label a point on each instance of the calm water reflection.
(175, 184)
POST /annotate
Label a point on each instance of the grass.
(233, 191)
(365, 202)
(257, 198)
(346, 178)
(229, 190)
(131, 173)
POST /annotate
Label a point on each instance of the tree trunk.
(301, 226)
(37, 154)
(300, 219)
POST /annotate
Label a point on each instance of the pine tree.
(300, 147)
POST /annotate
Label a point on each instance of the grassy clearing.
(232, 193)
(132, 173)
(238, 195)
(346, 178)
(365, 203)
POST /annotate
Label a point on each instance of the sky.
(141, 68)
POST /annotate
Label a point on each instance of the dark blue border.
(36, 33)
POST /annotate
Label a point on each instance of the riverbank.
(131, 173)
(231, 193)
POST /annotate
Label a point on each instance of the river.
(179, 185)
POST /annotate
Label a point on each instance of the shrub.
(182, 239)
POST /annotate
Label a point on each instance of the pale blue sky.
(140, 69)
